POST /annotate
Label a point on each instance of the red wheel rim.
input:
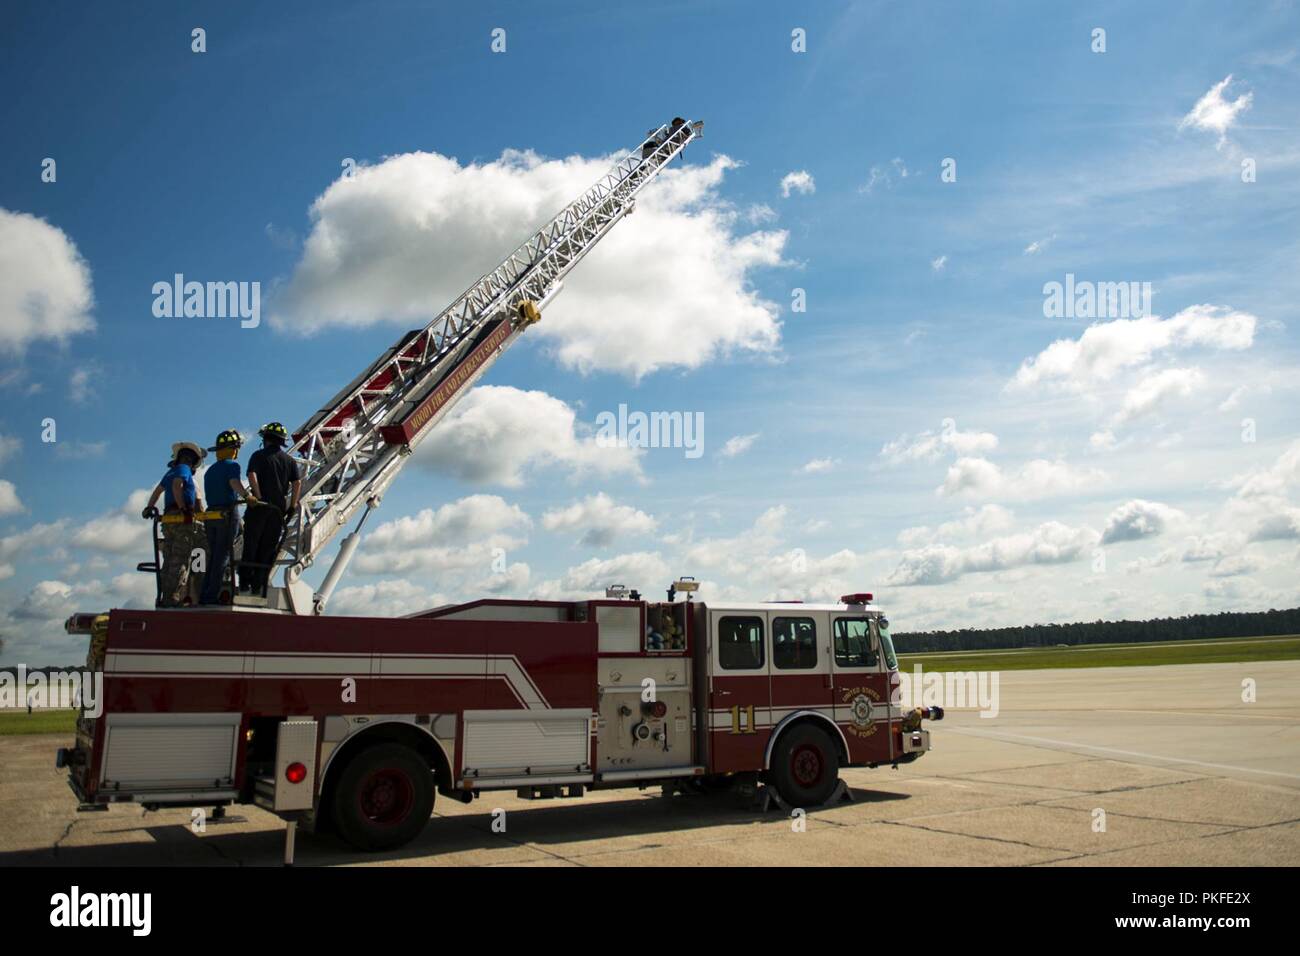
(386, 797)
(807, 765)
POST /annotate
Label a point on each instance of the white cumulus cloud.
(1107, 348)
(1049, 543)
(392, 598)
(460, 535)
(9, 501)
(600, 519)
(798, 181)
(930, 446)
(45, 286)
(1040, 478)
(1156, 390)
(496, 433)
(644, 570)
(402, 238)
(1137, 519)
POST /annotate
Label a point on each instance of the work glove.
(149, 512)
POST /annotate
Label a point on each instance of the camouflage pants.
(178, 581)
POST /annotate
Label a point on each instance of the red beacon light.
(295, 773)
(862, 597)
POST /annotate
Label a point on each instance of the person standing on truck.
(224, 488)
(276, 481)
(178, 583)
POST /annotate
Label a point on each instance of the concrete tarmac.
(1126, 766)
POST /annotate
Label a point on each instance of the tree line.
(1189, 628)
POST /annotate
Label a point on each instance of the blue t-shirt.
(186, 476)
(216, 483)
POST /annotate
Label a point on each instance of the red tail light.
(295, 773)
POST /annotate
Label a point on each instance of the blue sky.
(908, 433)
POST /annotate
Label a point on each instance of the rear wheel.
(384, 797)
(805, 766)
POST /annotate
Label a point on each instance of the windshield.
(886, 643)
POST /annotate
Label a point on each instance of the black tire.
(805, 766)
(384, 797)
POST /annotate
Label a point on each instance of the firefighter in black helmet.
(276, 482)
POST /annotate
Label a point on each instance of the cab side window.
(794, 643)
(740, 643)
(853, 643)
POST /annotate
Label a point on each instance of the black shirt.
(275, 471)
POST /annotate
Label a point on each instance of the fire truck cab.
(355, 723)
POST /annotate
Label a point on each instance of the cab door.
(801, 663)
(739, 690)
(861, 687)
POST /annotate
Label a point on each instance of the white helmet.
(178, 447)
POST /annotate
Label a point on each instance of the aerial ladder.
(351, 450)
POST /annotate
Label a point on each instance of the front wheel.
(805, 766)
(384, 798)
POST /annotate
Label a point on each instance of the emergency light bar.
(862, 597)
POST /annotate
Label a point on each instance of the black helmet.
(274, 430)
(228, 439)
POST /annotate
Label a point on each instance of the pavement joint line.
(522, 844)
(977, 836)
(67, 831)
(1005, 783)
(1225, 830)
(1203, 836)
(212, 845)
(1232, 827)
(728, 838)
(1206, 713)
(1037, 766)
(1068, 745)
(1136, 788)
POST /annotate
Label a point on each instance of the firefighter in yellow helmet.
(276, 481)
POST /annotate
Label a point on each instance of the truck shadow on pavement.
(456, 834)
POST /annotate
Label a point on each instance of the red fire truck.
(355, 723)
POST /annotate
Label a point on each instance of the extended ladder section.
(352, 449)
